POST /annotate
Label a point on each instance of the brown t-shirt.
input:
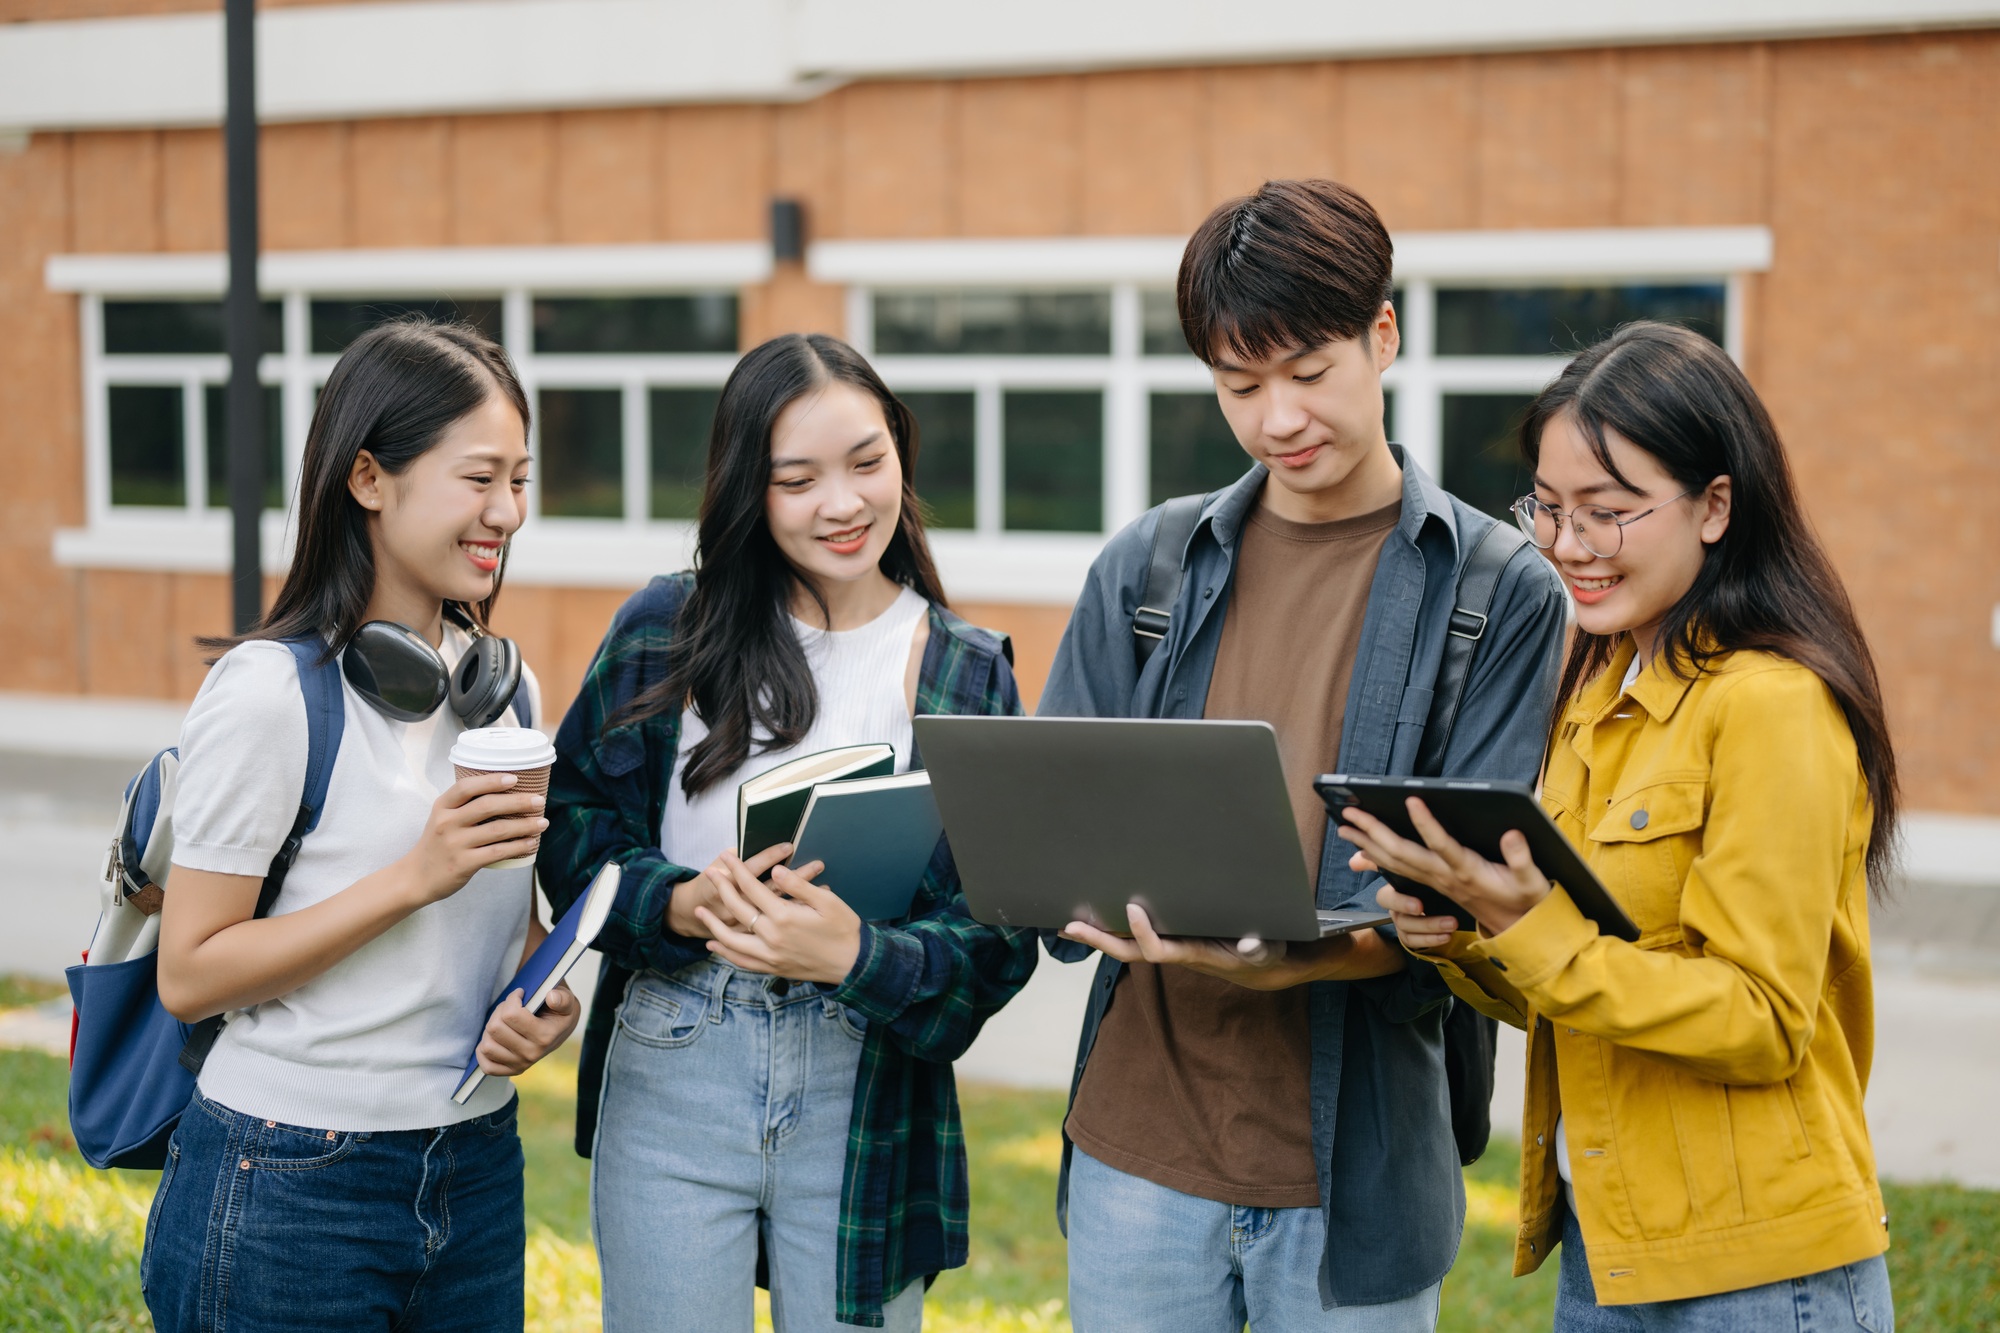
(1197, 1083)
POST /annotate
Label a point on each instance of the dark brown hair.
(736, 660)
(1767, 585)
(1297, 264)
(394, 392)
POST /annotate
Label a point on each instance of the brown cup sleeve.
(534, 780)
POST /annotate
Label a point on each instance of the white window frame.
(988, 563)
(985, 563)
(566, 551)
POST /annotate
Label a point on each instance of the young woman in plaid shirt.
(766, 1087)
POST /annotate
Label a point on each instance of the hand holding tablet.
(1469, 847)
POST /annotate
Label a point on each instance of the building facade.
(998, 225)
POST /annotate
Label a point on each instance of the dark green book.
(876, 837)
(770, 805)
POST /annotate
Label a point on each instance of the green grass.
(69, 1236)
(1944, 1257)
(17, 991)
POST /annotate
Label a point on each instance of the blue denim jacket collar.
(1423, 499)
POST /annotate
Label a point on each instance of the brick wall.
(1873, 337)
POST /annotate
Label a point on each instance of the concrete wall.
(1873, 336)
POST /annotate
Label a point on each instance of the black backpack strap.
(1478, 581)
(1155, 611)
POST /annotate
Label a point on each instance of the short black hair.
(1297, 264)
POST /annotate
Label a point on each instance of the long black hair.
(395, 391)
(736, 660)
(1767, 584)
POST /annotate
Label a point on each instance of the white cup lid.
(505, 749)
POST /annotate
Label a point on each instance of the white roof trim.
(1660, 252)
(1055, 261)
(442, 270)
(1584, 252)
(416, 57)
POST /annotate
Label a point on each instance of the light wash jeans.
(1853, 1299)
(724, 1117)
(1149, 1259)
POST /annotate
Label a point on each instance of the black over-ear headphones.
(398, 672)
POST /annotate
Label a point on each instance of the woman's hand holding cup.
(476, 822)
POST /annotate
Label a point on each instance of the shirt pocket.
(1642, 845)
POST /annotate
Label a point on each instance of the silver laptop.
(1053, 820)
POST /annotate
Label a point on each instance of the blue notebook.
(876, 835)
(550, 962)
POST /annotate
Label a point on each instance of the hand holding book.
(537, 1002)
(790, 927)
(704, 890)
(517, 1037)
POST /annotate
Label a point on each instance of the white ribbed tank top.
(858, 675)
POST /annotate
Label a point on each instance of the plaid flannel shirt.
(925, 984)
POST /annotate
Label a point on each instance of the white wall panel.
(421, 56)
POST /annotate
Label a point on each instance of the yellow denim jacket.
(1712, 1073)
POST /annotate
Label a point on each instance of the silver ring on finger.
(751, 924)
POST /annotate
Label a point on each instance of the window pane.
(1193, 449)
(1054, 458)
(215, 430)
(581, 471)
(1482, 453)
(335, 324)
(993, 323)
(946, 468)
(1160, 326)
(703, 322)
(1539, 321)
(180, 327)
(148, 446)
(681, 419)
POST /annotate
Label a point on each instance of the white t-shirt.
(858, 675)
(378, 1041)
(1562, 1139)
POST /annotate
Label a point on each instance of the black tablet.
(1477, 813)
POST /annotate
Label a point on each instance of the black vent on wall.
(788, 231)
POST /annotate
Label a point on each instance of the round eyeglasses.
(1598, 530)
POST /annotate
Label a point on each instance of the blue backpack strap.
(523, 703)
(326, 721)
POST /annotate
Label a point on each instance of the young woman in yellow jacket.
(1693, 1134)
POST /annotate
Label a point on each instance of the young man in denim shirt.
(1267, 1135)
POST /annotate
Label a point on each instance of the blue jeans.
(264, 1226)
(723, 1125)
(1853, 1299)
(1150, 1259)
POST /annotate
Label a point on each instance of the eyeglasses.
(1598, 530)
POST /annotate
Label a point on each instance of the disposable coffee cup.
(519, 750)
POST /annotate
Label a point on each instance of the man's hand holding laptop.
(1257, 964)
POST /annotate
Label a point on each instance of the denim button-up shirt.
(1390, 1187)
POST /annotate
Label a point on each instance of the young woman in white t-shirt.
(775, 1072)
(322, 1176)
